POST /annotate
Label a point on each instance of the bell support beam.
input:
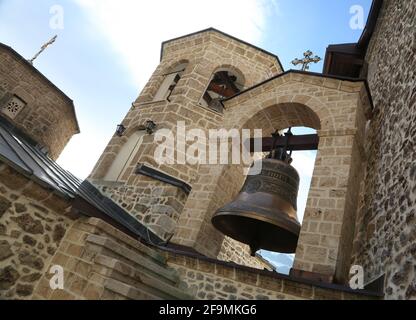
(295, 143)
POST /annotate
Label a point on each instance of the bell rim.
(255, 216)
(292, 228)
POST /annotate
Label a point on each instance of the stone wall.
(48, 116)
(33, 222)
(239, 253)
(213, 280)
(385, 242)
(153, 203)
(102, 263)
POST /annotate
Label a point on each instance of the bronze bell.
(264, 213)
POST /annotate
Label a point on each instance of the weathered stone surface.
(31, 260)
(12, 179)
(389, 191)
(15, 234)
(32, 277)
(229, 289)
(5, 250)
(29, 240)
(20, 208)
(24, 290)
(4, 205)
(8, 277)
(29, 224)
(208, 285)
(58, 233)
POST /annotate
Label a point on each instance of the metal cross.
(43, 48)
(307, 60)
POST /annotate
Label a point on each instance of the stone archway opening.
(303, 121)
(278, 117)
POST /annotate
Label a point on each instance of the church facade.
(139, 228)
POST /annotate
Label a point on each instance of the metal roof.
(21, 153)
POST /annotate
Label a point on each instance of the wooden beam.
(220, 90)
(228, 81)
(295, 143)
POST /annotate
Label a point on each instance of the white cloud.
(304, 163)
(135, 29)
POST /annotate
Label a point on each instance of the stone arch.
(230, 178)
(127, 150)
(334, 109)
(169, 79)
(300, 104)
(316, 113)
(173, 65)
(283, 115)
(224, 82)
(235, 70)
(245, 70)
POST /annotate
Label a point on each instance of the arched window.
(169, 83)
(224, 84)
(125, 157)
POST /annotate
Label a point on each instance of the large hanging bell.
(264, 213)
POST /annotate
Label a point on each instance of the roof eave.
(314, 74)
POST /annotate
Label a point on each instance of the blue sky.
(108, 49)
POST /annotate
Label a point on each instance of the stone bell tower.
(32, 104)
(194, 73)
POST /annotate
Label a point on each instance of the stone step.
(142, 280)
(128, 291)
(113, 249)
(129, 241)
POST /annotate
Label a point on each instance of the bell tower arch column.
(339, 110)
(324, 247)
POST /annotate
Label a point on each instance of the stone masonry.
(33, 222)
(337, 109)
(48, 115)
(385, 241)
(102, 263)
(360, 209)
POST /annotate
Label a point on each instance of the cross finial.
(43, 48)
(307, 60)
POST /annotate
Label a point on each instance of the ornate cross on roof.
(47, 44)
(307, 60)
